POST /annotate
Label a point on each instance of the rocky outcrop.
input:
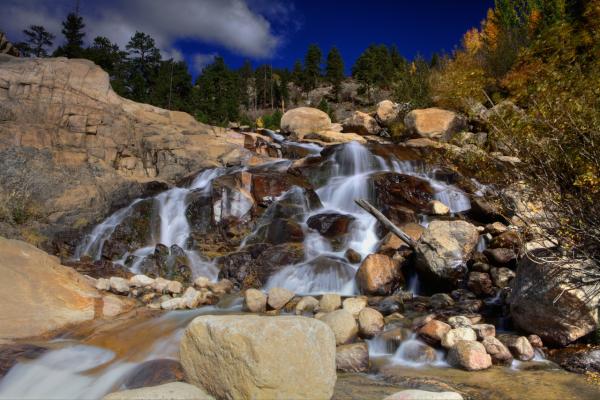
(434, 123)
(546, 302)
(444, 248)
(304, 120)
(39, 297)
(7, 47)
(74, 150)
(249, 357)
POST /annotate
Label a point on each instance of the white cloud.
(199, 61)
(228, 23)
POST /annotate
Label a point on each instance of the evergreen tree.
(172, 86)
(38, 39)
(73, 33)
(298, 74)
(398, 62)
(111, 59)
(246, 74)
(312, 67)
(374, 68)
(334, 70)
(144, 61)
(217, 94)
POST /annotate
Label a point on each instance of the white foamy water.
(410, 354)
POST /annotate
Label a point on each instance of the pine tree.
(312, 67)
(73, 33)
(334, 70)
(38, 38)
(144, 61)
(217, 94)
(172, 86)
(246, 74)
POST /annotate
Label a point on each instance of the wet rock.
(519, 346)
(330, 225)
(352, 357)
(361, 123)
(99, 268)
(480, 283)
(484, 330)
(469, 355)
(353, 256)
(536, 341)
(343, 325)
(578, 358)
(433, 332)
(297, 356)
(395, 336)
(119, 285)
(508, 240)
(140, 281)
(441, 300)
(502, 276)
(169, 263)
(255, 301)
(155, 372)
(173, 390)
(330, 302)
(278, 297)
(173, 304)
(354, 305)
(437, 208)
(192, 298)
(389, 305)
(390, 244)
(267, 186)
(379, 275)
(422, 320)
(174, 287)
(544, 302)
(12, 354)
(223, 286)
(370, 322)
(201, 282)
(497, 350)
(399, 190)
(307, 304)
(455, 335)
(304, 120)
(500, 257)
(414, 394)
(231, 198)
(444, 248)
(418, 352)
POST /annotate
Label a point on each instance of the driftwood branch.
(365, 205)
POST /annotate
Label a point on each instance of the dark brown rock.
(393, 189)
(501, 257)
(480, 283)
(11, 354)
(330, 225)
(154, 373)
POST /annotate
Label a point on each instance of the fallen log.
(368, 207)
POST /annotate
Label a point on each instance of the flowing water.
(91, 365)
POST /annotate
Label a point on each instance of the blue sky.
(263, 31)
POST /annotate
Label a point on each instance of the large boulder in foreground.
(361, 123)
(434, 123)
(444, 248)
(304, 120)
(168, 391)
(544, 301)
(38, 295)
(256, 357)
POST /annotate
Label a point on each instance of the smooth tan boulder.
(352, 357)
(469, 355)
(497, 350)
(379, 275)
(361, 123)
(255, 301)
(168, 391)
(456, 335)
(370, 322)
(259, 357)
(387, 112)
(434, 123)
(278, 297)
(354, 305)
(343, 325)
(333, 137)
(39, 296)
(330, 302)
(307, 304)
(304, 120)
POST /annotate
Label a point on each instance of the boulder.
(497, 350)
(397, 195)
(140, 281)
(361, 123)
(434, 123)
(387, 112)
(342, 324)
(353, 256)
(307, 304)
(330, 302)
(352, 357)
(38, 296)
(303, 120)
(444, 248)
(330, 225)
(379, 275)
(370, 322)
(480, 283)
(455, 335)
(354, 305)
(433, 331)
(484, 330)
(255, 301)
(417, 352)
(502, 276)
(119, 285)
(415, 394)
(329, 137)
(581, 359)
(496, 228)
(519, 346)
(459, 321)
(544, 301)
(260, 357)
(177, 303)
(469, 355)
(193, 298)
(168, 391)
(278, 297)
(155, 372)
(438, 208)
(500, 256)
(441, 300)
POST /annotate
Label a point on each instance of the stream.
(89, 363)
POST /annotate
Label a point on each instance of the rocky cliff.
(71, 149)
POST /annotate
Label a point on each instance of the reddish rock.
(379, 275)
(433, 331)
(330, 225)
(469, 355)
(393, 189)
(480, 283)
